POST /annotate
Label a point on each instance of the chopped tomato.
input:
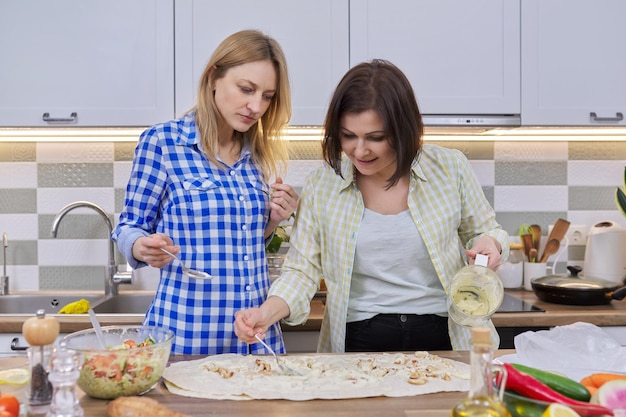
(130, 367)
(115, 373)
(101, 361)
(130, 344)
(146, 372)
(9, 404)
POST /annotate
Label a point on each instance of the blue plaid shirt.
(218, 218)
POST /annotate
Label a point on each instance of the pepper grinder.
(65, 367)
(40, 332)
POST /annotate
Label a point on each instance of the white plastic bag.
(574, 346)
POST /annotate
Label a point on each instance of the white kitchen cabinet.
(573, 62)
(462, 57)
(86, 62)
(312, 33)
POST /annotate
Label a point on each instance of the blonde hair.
(269, 151)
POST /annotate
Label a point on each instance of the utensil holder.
(533, 270)
(511, 275)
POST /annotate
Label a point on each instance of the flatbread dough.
(324, 376)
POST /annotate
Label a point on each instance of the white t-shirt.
(393, 272)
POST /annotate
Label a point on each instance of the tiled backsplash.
(526, 182)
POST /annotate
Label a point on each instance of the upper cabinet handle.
(619, 116)
(15, 345)
(46, 118)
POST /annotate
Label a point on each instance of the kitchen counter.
(613, 314)
(430, 405)
(69, 322)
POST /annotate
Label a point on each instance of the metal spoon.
(192, 273)
(286, 369)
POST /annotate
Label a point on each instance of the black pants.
(398, 332)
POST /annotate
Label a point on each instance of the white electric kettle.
(605, 254)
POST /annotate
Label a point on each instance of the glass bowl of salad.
(132, 363)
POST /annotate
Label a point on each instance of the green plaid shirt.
(447, 204)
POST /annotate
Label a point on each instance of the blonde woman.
(199, 187)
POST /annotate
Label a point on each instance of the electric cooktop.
(512, 304)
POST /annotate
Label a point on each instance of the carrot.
(588, 382)
(600, 378)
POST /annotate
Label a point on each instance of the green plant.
(620, 197)
(280, 236)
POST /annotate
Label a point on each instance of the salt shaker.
(65, 366)
(40, 332)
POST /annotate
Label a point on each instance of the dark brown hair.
(380, 86)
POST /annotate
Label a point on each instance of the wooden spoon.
(536, 234)
(552, 246)
(527, 241)
(532, 255)
(559, 229)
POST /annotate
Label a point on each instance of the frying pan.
(577, 291)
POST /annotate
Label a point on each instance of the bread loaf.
(135, 406)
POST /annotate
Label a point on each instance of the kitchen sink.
(131, 303)
(30, 303)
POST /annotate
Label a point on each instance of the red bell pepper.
(530, 387)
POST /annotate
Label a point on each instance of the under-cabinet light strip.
(295, 133)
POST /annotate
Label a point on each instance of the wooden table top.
(429, 405)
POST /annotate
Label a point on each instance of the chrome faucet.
(114, 277)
